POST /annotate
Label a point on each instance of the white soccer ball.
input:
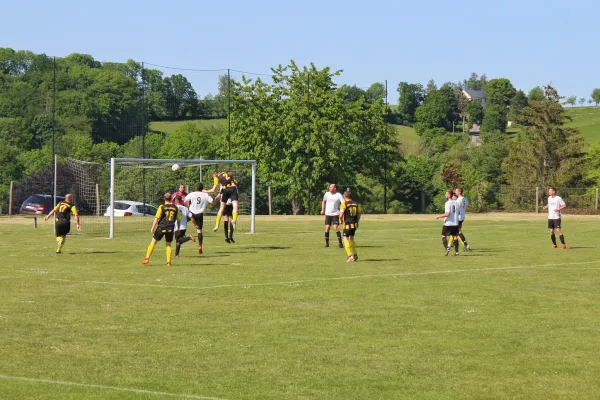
(175, 167)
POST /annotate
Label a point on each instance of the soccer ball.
(175, 167)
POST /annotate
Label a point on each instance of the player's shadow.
(93, 252)
(370, 247)
(580, 247)
(380, 259)
(268, 247)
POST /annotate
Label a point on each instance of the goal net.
(121, 197)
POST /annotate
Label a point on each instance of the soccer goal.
(121, 197)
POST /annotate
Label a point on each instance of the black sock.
(231, 231)
(462, 237)
(177, 247)
(553, 239)
(339, 235)
(445, 242)
(562, 238)
(183, 240)
(200, 238)
(456, 244)
(226, 228)
(326, 237)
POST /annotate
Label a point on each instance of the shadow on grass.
(268, 247)
(380, 259)
(91, 252)
(370, 247)
(580, 247)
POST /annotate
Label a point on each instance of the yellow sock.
(61, 241)
(348, 247)
(353, 246)
(218, 221)
(169, 251)
(234, 216)
(150, 249)
(450, 240)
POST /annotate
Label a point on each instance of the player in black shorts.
(229, 191)
(163, 225)
(227, 214)
(62, 220)
(349, 217)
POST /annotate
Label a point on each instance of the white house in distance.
(475, 95)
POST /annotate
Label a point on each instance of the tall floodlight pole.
(385, 165)
(229, 111)
(308, 144)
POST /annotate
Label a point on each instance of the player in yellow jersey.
(350, 213)
(164, 225)
(229, 191)
(62, 220)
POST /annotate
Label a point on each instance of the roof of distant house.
(475, 94)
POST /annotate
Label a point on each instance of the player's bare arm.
(77, 221)
(442, 216)
(154, 224)
(49, 215)
(323, 207)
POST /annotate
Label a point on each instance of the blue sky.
(531, 42)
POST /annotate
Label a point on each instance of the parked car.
(43, 203)
(39, 204)
(127, 208)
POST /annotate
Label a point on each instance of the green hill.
(172, 126)
(587, 119)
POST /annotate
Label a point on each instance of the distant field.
(409, 140)
(587, 119)
(172, 126)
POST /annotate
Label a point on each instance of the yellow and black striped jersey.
(351, 211)
(167, 214)
(225, 179)
(63, 211)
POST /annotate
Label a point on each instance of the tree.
(494, 119)
(571, 100)
(517, 103)
(411, 97)
(550, 153)
(352, 93)
(596, 95)
(590, 101)
(499, 91)
(179, 96)
(431, 86)
(475, 82)
(437, 111)
(536, 94)
(581, 101)
(474, 112)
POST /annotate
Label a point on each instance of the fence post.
(270, 203)
(596, 204)
(10, 198)
(480, 201)
(537, 199)
(97, 200)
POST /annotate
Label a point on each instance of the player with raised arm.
(331, 208)
(164, 225)
(350, 213)
(62, 220)
(463, 203)
(181, 226)
(555, 205)
(229, 191)
(450, 227)
(196, 202)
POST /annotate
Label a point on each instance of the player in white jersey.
(463, 203)
(450, 227)
(555, 205)
(331, 208)
(181, 226)
(196, 202)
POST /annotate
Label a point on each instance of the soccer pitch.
(278, 316)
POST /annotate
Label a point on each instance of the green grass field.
(172, 126)
(278, 316)
(587, 119)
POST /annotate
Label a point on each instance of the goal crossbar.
(160, 163)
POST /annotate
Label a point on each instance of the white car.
(127, 208)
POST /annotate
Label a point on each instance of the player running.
(62, 220)
(350, 213)
(196, 202)
(555, 205)
(229, 190)
(181, 226)
(450, 227)
(331, 208)
(164, 225)
(463, 203)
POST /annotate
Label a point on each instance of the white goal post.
(146, 163)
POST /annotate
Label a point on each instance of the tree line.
(304, 130)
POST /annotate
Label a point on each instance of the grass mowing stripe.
(405, 274)
(141, 391)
